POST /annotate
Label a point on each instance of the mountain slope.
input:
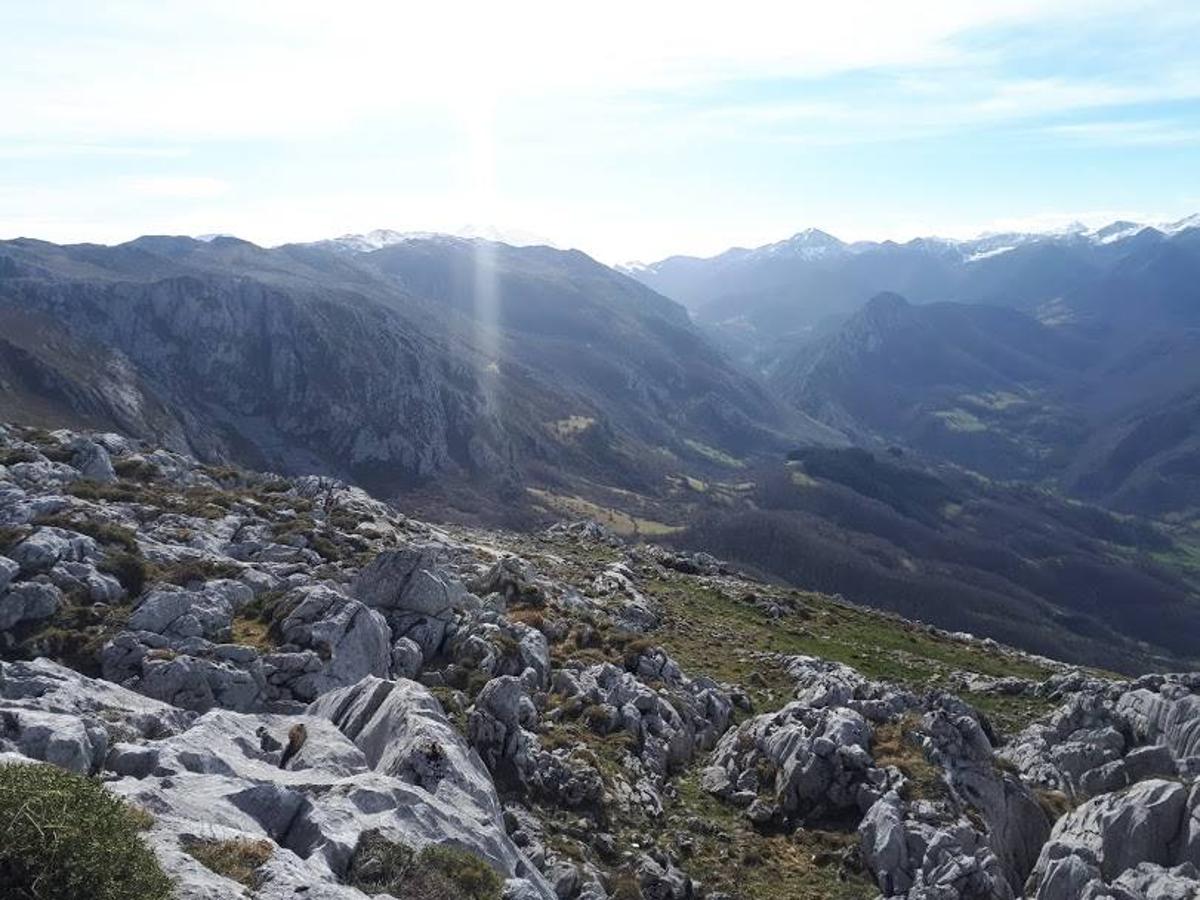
(1102, 402)
(970, 383)
(935, 543)
(285, 687)
(381, 366)
(1070, 357)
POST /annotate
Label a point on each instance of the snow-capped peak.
(376, 240)
(814, 237)
(514, 237)
(634, 267)
(1192, 221)
(1116, 231)
(811, 243)
(386, 237)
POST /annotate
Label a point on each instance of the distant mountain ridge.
(754, 302)
(1071, 357)
(1108, 411)
(813, 243)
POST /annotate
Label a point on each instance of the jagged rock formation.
(290, 661)
(220, 775)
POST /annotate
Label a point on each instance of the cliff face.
(291, 674)
(444, 359)
(284, 378)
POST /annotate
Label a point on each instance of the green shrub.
(63, 837)
(75, 634)
(186, 571)
(10, 536)
(57, 453)
(435, 873)
(222, 473)
(10, 456)
(257, 623)
(202, 502)
(36, 434)
(506, 645)
(135, 469)
(116, 492)
(104, 532)
(343, 519)
(595, 715)
(128, 568)
(327, 549)
(236, 858)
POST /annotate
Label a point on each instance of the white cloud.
(234, 70)
(474, 85)
(178, 187)
(1130, 133)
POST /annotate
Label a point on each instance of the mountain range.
(925, 455)
(1070, 357)
(758, 300)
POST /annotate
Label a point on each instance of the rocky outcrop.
(804, 762)
(975, 833)
(1015, 823)
(415, 595)
(220, 776)
(1139, 842)
(177, 649)
(669, 723)
(403, 732)
(499, 728)
(51, 713)
(922, 851)
(1109, 736)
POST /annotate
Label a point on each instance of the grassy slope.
(713, 628)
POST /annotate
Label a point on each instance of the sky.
(629, 130)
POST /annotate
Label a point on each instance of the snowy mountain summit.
(387, 237)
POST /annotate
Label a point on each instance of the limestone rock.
(1151, 822)
(27, 601)
(415, 595)
(92, 460)
(401, 730)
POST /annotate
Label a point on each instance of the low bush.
(897, 743)
(63, 837)
(187, 571)
(235, 858)
(11, 536)
(222, 473)
(128, 568)
(135, 469)
(104, 532)
(531, 617)
(116, 492)
(257, 623)
(435, 873)
(10, 456)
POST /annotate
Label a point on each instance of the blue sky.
(630, 130)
